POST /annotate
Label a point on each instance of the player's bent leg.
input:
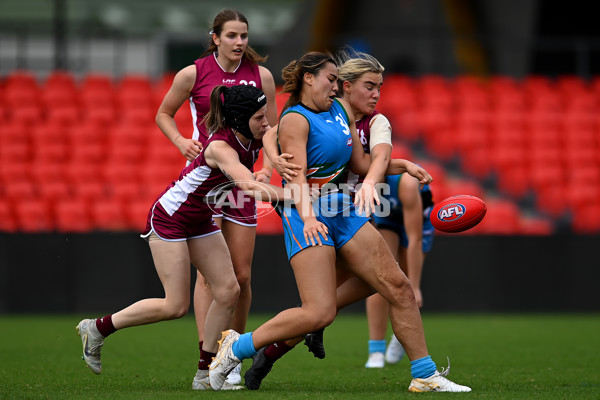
(370, 259)
(240, 240)
(211, 256)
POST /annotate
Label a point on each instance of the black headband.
(240, 103)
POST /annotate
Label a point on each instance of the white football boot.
(201, 382)
(376, 360)
(224, 361)
(92, 342)
(394, 351)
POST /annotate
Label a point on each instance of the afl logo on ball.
(451, 212)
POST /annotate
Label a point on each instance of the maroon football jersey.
(210, 74)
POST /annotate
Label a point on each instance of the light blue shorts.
(335, 210)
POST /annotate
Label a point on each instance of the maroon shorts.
(179, 227)
(238, 207)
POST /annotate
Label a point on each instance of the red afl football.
(457, 213)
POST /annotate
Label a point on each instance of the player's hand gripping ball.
(457, 213)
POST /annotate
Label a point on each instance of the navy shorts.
(397, 226)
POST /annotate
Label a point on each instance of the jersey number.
(244, 82)
(343, 123)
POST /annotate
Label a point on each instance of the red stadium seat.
(470, 137)
(508, 156)
(86, 132)
(160, 174)
(462, 186)
(502, 218)
(19, 189)
(401, 150)
(10, 152)
(26, 113)
(48, 171)
(507, 120)
(136, 213)
(108, 215)
(51, 153)
(54, 192)
(126, 153)
(126, 191)
(477, 162)
(14, 133)
(571, 85)
(537, 84)
(536, 226)
(65, 114)
(97, 81)
(508, 100)
(545, 175)
(7, 217)
(101, 114)
(551, 200)
(137, 133)
(586, 219)
(15, 171)
(33, 216)
(580, 138)
(507, 137)
(112, 173)
(442, 143)
(135, 114)
(582, 102)
(86, 153)
(581, 195)
(49, 133)
(77, 172)
(20, 79)
(60, 79)
(135, 82)
(91, 191)
(514, 180)
(73, 216)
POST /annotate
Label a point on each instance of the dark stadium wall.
(103, 272)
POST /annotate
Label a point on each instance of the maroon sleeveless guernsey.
(210, 74)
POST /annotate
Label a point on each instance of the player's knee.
(243, 278)
(175, 311)
(227, 294)
(324, 317)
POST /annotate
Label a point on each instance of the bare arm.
(293, 137)
(380, 157)
(220, 155)
(165, 117)
(284, 168)
(412, 211)
(399, 166)
(268, 87)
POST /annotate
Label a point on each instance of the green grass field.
(526, 356)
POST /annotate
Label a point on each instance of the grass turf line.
(527, 356)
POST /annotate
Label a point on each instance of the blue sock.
(376, 346)
(244, 347)
(422, 368)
